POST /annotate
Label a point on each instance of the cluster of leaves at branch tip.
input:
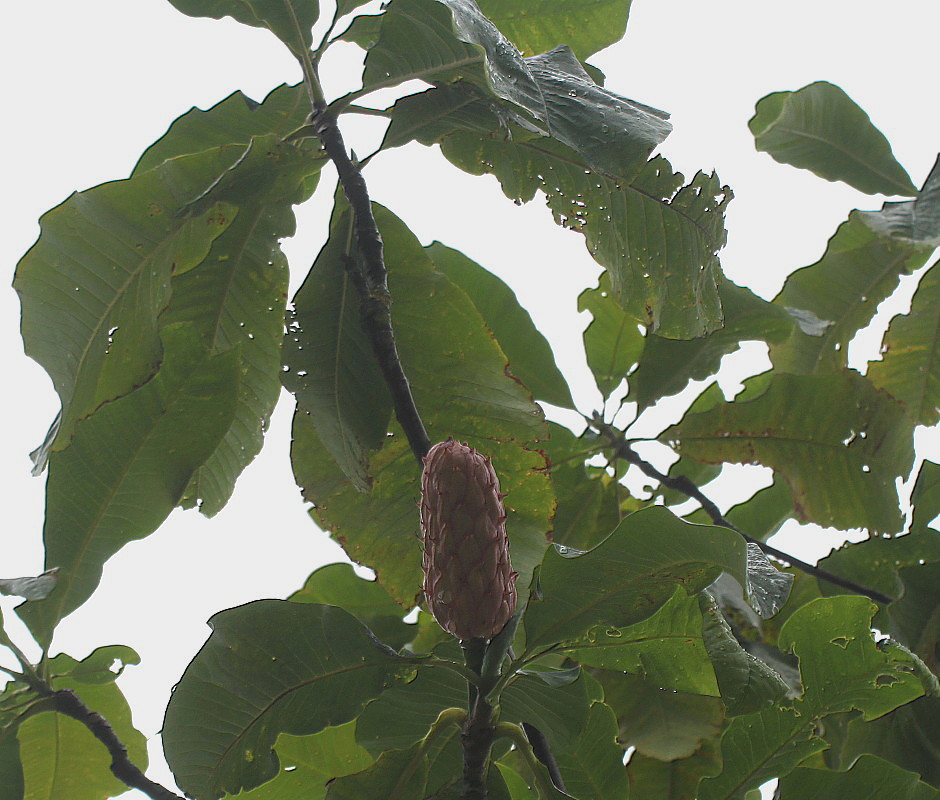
(468, 580)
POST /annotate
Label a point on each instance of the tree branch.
(65, 701)
(476, 736)
(681, 483)
(375, 299)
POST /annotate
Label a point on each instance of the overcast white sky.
(87, 86)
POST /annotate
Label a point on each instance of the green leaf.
(837, 441)
(307, 763)
(236, 296)
(613, 342)
(420, 39)
(588, 498)
(269, 667)
(147, 445)
(661, 723)
(910, 367)
(61, 758)
(458, 377)
(537, 25)
(747, 684)
(672, 780)
(908, 736)
(593, 768)
(403, 714)
(658, 238)
(667, 648)
(820, 128)
(329, 361)
(290, 20)
(667, 365)
(869, 778)
(105, 664)
(530, 356)
(915, 616)
(237, 118)
(95, 282)
(11, 770)
(338, 585)
(627, 577)
(841, 669)
(837, 296)
(397, 775)
(648, 235)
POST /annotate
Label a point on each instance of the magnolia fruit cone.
(468, 581)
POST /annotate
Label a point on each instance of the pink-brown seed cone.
(469, 584)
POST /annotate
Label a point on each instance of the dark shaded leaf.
(909, 737)
(820, 128)
(747, 684)
(396, 775)
(837, 441)
(593, 767)
(330, 366)
(269, 667)
(653, 779)
(661, 723)
(367, 601)
(147, 445)
(869, 778)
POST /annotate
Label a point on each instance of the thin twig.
(65, 701)
(681, 483)
(375, 299)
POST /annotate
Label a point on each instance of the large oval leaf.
(95, 282)
(820, 128)
(145, 445)
(269, 667)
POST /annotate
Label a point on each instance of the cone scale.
(469, 584)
